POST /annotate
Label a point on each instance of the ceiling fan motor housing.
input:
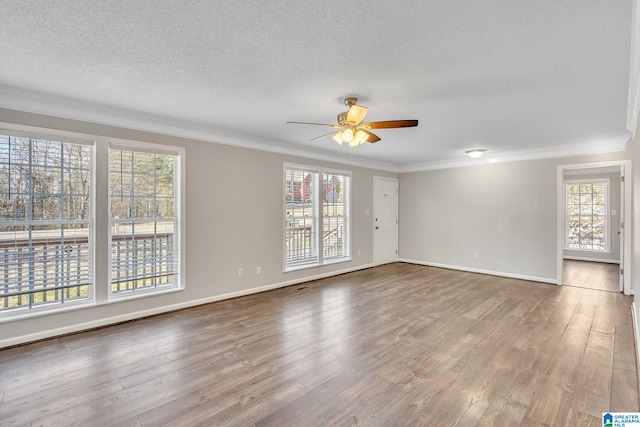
(350, 101)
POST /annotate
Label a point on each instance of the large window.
(586, 215)
(143, 219)
(71, 235)
(45, 223)
(316, 216)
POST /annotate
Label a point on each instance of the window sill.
(591, 251)
(30, 313)
(24, 314)
(141, 294)
(325, 263)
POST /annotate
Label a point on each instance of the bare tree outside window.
(45, 222)
(142, 193)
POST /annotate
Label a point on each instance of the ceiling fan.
(350, 128)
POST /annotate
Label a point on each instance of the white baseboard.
(50, 333)
(582, 258)
(477, 270)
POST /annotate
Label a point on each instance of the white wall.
(635, 242)
(506, 212)
(233, 219)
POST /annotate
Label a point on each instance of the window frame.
(62, 305)
(178, 229)
(318, 195)
(100, 216)
(607, 217)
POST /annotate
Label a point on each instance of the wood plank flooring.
(592, 275)
(396, 345)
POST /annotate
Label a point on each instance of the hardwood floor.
(592, 275)
(394, 345)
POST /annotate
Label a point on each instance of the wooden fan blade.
(371, 137)
(356, 114)
(325, 135)
(391, 124)
(317, 124)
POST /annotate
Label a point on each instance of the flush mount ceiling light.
(475, 153)
(351, 128)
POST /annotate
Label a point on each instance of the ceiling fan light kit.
(475, 153)
(351, 128)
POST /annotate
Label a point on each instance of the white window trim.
(101, 217)
(148, 147)
(318, 228)
(47, 134)
(607, 234)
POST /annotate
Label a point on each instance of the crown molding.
(66, 108)
(633, 106)
(605, 146)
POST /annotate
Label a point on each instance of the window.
(317, 217)
(335, 210)
(56, 211)
(586, 217)
(45, 223)
(143, 220)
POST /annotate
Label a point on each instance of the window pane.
(598, 199)
(586, 210)
(585, 199)
(598, 244)
(301, 217)
(335, 239)
(44, 260)
(586, 215)
(598, 233)
(143, 256)
(586, 188)
(574, 199)
(316, 215)
(586, 222)
(44, 265)
(144, 250)
(574, 242)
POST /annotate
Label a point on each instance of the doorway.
(591, 275)
(581, 265)
(385, 220)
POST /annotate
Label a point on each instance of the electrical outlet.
(240, 272)
(359, 252)
(476, 255)
(258, 270)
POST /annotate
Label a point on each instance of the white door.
(621, 229)
(385, 220)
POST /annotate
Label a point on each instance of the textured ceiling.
(507, 76)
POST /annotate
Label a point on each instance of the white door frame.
(625, 170)
(376, 183)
